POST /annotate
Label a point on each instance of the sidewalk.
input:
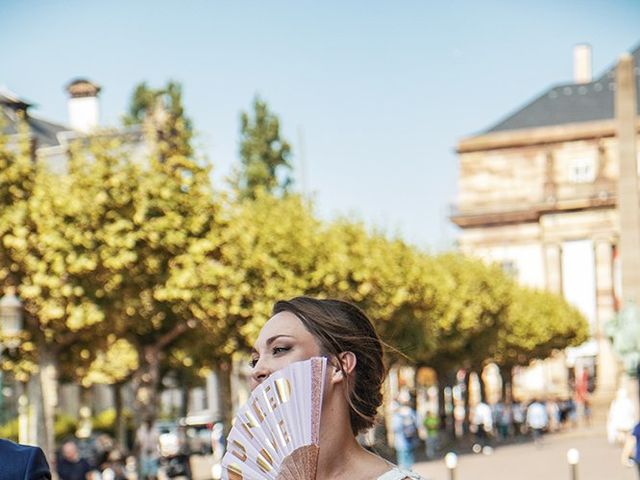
(525, 461)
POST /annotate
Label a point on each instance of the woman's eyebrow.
(270, 340)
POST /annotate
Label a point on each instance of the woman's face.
(282, 340)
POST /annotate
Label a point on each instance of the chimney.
(582, 63)
(84, 109)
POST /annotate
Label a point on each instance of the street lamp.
(573, 458)
(451, 461)
(11, 317)
(10, 329)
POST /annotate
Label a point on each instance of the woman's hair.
(342, 327)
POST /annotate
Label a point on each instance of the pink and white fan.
(275, 435)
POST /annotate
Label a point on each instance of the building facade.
(538, 193)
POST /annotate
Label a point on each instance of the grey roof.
(43, 131)
(570, 103)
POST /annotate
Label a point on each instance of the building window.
(510, 268)
(582, 170)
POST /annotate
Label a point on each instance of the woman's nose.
(260, 372)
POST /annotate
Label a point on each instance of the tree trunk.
(145, 383)
(467, 403)
(483, 387)
(185, 395)
(447, 420)
(48, 373)
(223, 395)
(506, 373)
(120, 420)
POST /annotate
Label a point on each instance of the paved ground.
(598, 461)
(524, 461)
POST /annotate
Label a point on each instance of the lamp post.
(11, 317)
(451, 461)
(573, 458)
(10, 328)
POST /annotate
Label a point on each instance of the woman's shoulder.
(397, 473)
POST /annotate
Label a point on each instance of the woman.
(305, 327)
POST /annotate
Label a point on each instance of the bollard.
(451, 461)
(573, 457)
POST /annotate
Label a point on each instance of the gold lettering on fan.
(258, 411)
(264, 461)
(283, 388)
(249, 422)
(283, 431)
(242, 454)
(235, 472)
(271, 401)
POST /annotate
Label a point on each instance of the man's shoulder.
(24, 460)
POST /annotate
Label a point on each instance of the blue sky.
(379, 92)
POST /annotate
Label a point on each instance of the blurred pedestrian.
(621, 417)
(502, 415)
(553, 415)
(482, 426)
(113, 468)
(70, 466)
(519, 416)
(631, 450)
(22, 462)
(431, 424)
(405, 432)
(537, 420)
(146, 445)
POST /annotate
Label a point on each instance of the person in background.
(431, 424)
(553, 414)
(70, 466)
(502, 416)
(482, 425)
(621, 418)
(631, 450)
(518, 414)
(405, 431)
(537, 420)
(22, 462)
(146, 444)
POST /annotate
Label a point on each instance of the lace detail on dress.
(399, 474)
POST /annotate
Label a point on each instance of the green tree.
(260, 250)
(537, 324)
(48, 238)
(264, 154)
(161, 112)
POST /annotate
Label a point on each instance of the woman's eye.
(253, 362)
(278, 350)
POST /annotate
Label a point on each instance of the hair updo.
(342, 327)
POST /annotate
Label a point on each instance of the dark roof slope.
(44, 131)
(570, 103)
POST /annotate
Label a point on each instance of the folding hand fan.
(275, 435)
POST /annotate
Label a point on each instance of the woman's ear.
(348, 362)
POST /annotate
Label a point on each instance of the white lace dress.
(399, 474)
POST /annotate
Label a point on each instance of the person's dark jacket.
(73, 470)
(21, 462)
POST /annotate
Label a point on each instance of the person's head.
(70, 451)
(305, 327)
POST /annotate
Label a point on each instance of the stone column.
(628, 196)
(553, 267)
(607, 367)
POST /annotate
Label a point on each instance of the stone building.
(538, 193)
